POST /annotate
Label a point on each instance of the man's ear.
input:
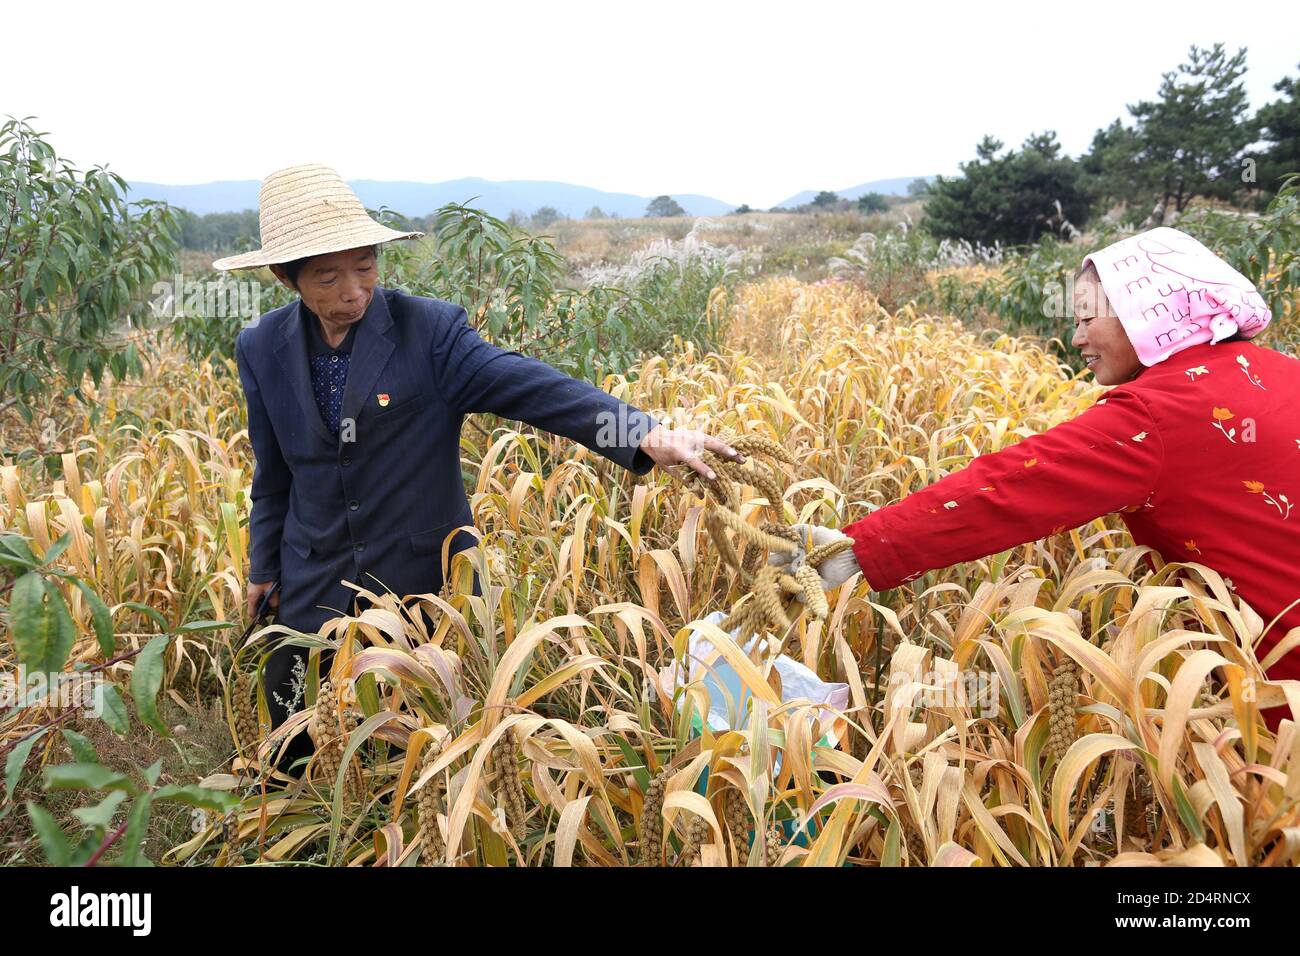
(284, 278)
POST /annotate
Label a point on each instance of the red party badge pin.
(383, 399)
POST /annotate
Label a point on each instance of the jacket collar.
(370, 351)
(316, 344)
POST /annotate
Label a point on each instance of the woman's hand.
(682, 446)
(836, 569)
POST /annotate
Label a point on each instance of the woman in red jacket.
(1197, 446)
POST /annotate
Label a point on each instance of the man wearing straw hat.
(356, 395)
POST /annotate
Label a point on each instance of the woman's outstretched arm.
(1109, 458)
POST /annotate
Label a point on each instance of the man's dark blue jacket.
(375, 510)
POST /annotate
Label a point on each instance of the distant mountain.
(886, 187)
(419, 199)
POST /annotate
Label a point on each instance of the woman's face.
(1100, 337)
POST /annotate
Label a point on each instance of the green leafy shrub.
(44, 633)
(75, 262)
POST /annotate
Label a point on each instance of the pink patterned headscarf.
(1170, 292)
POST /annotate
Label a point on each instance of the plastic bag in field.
(729, 698)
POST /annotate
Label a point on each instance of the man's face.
(1100, 337)
(337, 286)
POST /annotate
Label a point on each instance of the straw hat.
(308, 211)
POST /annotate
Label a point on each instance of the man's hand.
(835, 570)
(255, 592)
(683, 446)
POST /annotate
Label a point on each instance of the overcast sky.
(748, 102)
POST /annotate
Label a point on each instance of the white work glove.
(834, 571)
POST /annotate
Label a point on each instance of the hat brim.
(363, 235)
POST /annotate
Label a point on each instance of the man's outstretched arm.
(477, 376)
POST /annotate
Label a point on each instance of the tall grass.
(592, 579)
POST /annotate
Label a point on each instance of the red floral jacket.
(1200, 456)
